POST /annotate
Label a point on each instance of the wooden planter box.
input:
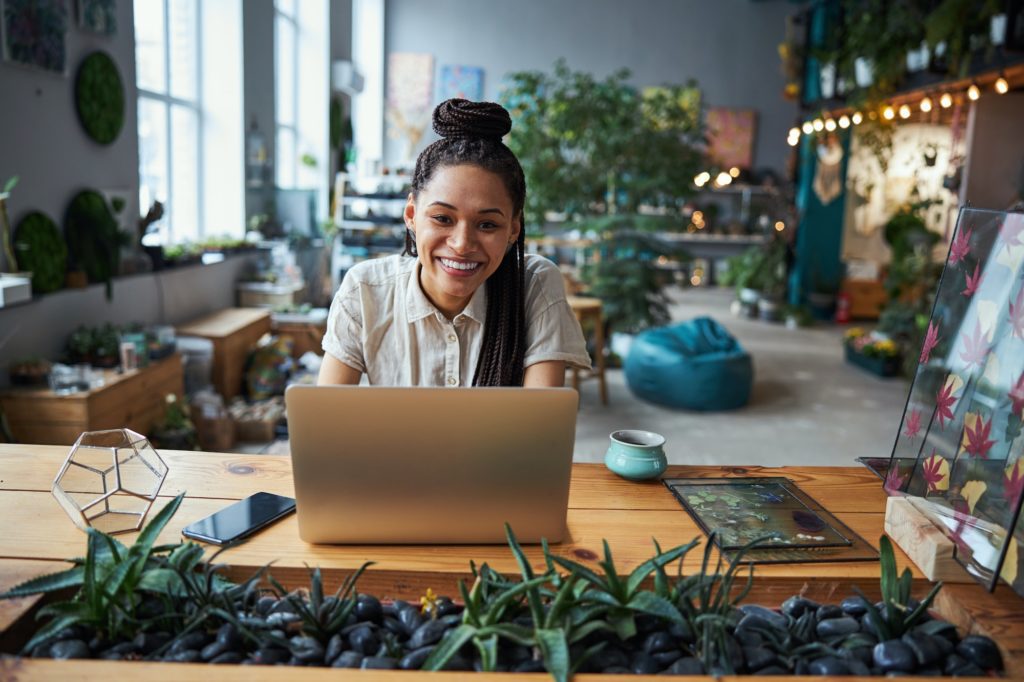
(883, 367)
(38, 536)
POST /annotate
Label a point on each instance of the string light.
(844, 121)
(888, 113)
(973, 92)
(734, 172)
(946, 101)
(723, 179)
(830, 124)
(794, 132)
(793, 141)
(808, 128)
(818, 124)
(857, 118)
(926, 104)
(780, 226)
(904, 111)
(1002, 87)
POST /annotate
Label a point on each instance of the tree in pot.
(595, 151)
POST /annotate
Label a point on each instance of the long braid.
(471, 133)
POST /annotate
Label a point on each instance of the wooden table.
(134, 399)
(38, 536)
(586, 310)
(234, 332)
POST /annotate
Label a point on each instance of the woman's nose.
(460, 240)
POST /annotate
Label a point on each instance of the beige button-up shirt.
(382, 324)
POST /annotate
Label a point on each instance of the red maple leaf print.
(1011, 231)
(960, 247)
(1017, 314)
(1013, 483)
(1016, 395)
(975, 346)
(934, 472)
(973, 282)
(893, 480)
(976, 440)
(944, 401)
(961, 513)
(931, 339)
(913, 424)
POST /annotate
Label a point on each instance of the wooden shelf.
(234, 332)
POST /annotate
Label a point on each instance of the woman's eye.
(488, 226)
(443, 219)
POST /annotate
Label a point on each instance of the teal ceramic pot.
(636, 455)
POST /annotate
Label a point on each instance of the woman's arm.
(333, 371)
(541, 374)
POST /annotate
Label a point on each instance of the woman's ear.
(410, 212)
(517, 227)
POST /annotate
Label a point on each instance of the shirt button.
(452, 381)
(452, 338)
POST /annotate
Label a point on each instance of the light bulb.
(946, 101)
(794, 132)
(904, 111)
(780, 226)
(734, 172)
(830, 125)
(889, 113)
(1002, 87)
(973, 92)
(808, 128)
(793, 141)
(818, 124)
(926, 104)
(723, 179)
(857, 118)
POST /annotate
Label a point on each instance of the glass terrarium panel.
(140, 470)
(961, 429)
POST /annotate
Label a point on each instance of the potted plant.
(32, 371)
(873, 351)
(175, 430)
(105, 346)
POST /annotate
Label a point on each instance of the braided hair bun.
(462, 119)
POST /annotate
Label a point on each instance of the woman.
(428, 320)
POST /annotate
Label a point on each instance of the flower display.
(871, 344)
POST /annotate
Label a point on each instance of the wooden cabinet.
(234, 332)
(867, 298)
(133, 399)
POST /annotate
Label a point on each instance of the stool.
(590, 309)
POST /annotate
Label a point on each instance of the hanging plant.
(42, 251)
(99, 97)
(94, 242)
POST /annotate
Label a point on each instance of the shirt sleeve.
(553, 332)
(344, 335)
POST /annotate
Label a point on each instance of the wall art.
(463, 82)
(98, 16)
(34, 33)
(731, 136)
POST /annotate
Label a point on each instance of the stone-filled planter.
(165, 603)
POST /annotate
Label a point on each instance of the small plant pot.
(884, 367)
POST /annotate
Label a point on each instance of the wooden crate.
(134, 400)
(234, 332)
(867, 298)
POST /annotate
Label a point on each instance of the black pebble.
(183, 656)
(348, 659)
(854, 606)
(682, 632)
(446, 607)
(410, 619)
(429, 632)
(658, 642)
(282, 606)
(70, 648)
(667, 657)
(777, 619)
(644, 664)
(364, 640)
(307, 649)
(271, 656)
(212, 651)
(828, 665)
(229, 637)
(265, 604)
(414, 659)
(828, 611)
(608, 657)
(837, 626)
(193, 640)
(148, 642)
(925, 648)
(773, 670)
(981, 651)
(368, 608)
(893, 655)
(335, 645)
(686, 666)
(379, 663)
(795, 606)
(227, 657)
(758, 657)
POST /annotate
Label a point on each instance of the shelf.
(368, 225)
(350, 198)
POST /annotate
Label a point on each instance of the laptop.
(387, 465)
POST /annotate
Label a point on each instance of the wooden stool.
(590, 309)
(234, 332)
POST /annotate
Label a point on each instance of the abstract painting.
(409, 96)
(98, 16)
(464, 82)
(959, 449)
(34, 32)
(731, 136)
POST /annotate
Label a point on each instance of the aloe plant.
(323, 617)
(898, 614)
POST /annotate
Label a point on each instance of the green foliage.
(94, 240)
(963, 25)
(322, 617)
(99, 97)
(41, 249)
(760, 267)
(898, 614)
(5, 225)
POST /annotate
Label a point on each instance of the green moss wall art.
(94, 242)
(99, 97)
(41, 249)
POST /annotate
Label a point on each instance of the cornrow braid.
(471, 133)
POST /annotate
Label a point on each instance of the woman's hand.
(543, 374)
(333, 372)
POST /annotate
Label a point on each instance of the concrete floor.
(808, 406)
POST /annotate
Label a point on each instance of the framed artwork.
(464, 82)
(98, 16)
(959, 450)
(34, 33)
(410, 92)
(731, 136)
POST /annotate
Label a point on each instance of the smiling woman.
(464, 297)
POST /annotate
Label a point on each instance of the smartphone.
(241, 519)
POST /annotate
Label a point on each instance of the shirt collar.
(418, 306)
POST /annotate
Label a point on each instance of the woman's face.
(463, 225)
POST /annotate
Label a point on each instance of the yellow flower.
(428, 602)
(853, 332)
(888, 347)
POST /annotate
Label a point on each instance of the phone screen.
(240, 519)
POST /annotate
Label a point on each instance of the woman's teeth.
(455, 265)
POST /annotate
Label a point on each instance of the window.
(189, 122)
(302, 90)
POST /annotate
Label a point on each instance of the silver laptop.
(431, 465)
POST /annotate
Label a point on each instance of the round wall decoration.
(40, 248)
(99, 97)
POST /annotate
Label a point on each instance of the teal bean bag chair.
(695, 365)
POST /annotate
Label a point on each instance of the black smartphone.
(241, 519)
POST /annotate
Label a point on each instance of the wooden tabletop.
(224, 322)
(39, 536)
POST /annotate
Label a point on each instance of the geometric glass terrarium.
(109, 480)
(958, 453)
